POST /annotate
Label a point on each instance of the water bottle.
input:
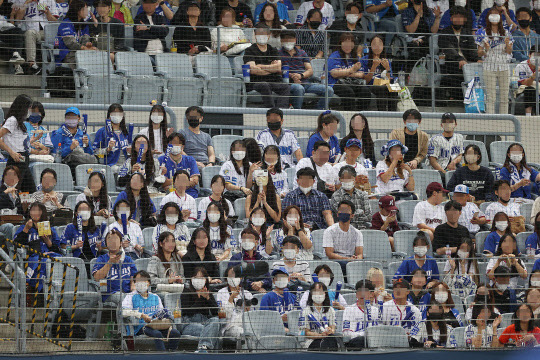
(285, 69)
(69, 252)
(245, 21)
(58, 154)
(401, 78)
(476, 80)
(246, 73)
(298, 295)
(448, 251)
(365, 50)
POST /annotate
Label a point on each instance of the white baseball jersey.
(357, 320)
(496, 58)
(300, 266)
(324, 319)
(467, 213)
(180, 233)
(407, 316)
(331, 293)
(231, 175)
(36, 19)
(524, 71)
(511, 209)
(218, 247)
(327, 14)
(288, 144)
(303, 254)
(360, 169)
(471, 332)
(444, 150)
(134, 234)
(427, 214)
(223, 296)
(394, 184)
(185, 202)
(326, 172)
(281, 182)
(203, 205)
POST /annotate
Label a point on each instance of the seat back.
(483, 150)
(403, 242)
(302, 142)
(171, 301)
(447, 176)
(525, 210)
(470, 70)
(357, 270)
(94, 62)
(260, 323)
(377, 146)
(334, 266)
(318, 67)
(70, 273)
(63, 175)
(208, 173)
(422, 178)
(71, 201)
(459, 336)
(174, 65)
(142, 264)
(134, 63)
(521, 240)
(148, 240)
(317, 239)
(406, 210)
(372, 176)
(291, 176)
(83, 171)
(498, 150)
(292, 322)
(239, 208)
(376, 245)
(209, 65)
(483, 206)
(339, 321)
(387, 336)
(222, 145)
(238, 62)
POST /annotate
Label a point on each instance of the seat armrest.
(121, 72)
(81, 71)
(162, 74)
(202, 76)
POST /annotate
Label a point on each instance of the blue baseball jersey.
(101, 141)
(335, 150)
(72, 235)
(187, 163)
(409, 265)
(117, 273)
(33, 236)
(123, 196)
(492, 242)
(64, 138)
(67, 28)
(148, 306)
(282, 304)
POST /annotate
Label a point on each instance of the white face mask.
(292, 220)
(156, 119)
(347, 185)
(281, 283)
(289, 254)
(471, 159)
(420, 250)
(117, 1)
(501, 225)
(85, 215)
(288, 46)
(213, 217)
(116, 118)
(499, 2)
(535, 283)
(449, 127)
(462, 3)
(501, 287)
(247, 245)
(258, 221)
(198, 283)
(239, 155)
(261, 39)
(325, 280)
(352, 18)
(441, 297)
(462, 254)
(233, 282)
(305, 190)
(141, 287)
(176, 150)
(516, 158)
(318, 299)
(171, 219)
(270, 163)
(494, 18)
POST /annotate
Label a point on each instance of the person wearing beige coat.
(412, 119)
(159, 274)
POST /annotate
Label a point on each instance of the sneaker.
(16, 58)
(35, 70)
(202, 349)
(19, 70)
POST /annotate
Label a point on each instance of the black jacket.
(207, 17)
(187, 37)
(158, 31)
(7, 203)
(116, 32)
(448, 43)
(191, 260)
(193, 304)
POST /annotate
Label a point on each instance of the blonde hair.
(375, 271)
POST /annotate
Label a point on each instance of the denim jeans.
(298, 91)
(387, 25)
(159, 335)
(206, 329)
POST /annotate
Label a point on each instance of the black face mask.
(193, 122)
(314, 24)
(457, 27)
(504, 201)
(524, 23)
(435, 316)
(418, 2)
(274, 125)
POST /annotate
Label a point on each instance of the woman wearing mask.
(434, 332)
(232, 39)
(507, 255)
(222, 242)
(393, 174)
(479, 333)
(170, 220)
(157, 122)
(165, 266)
(73, 33)
(473, 173)
(14, 140)
(200, 311)
(270, 17)
(217, 185)
(359, 129)
(516, 171)
(325, 276)
(265, 197)
(96, 194)
(259, 223)
(494, 47)
(238, 171)
(374, 65)
(132, 237)
(40, 141)
(522, 332)
(142, 207)
(146, 165)
(9, 197)
(499, 227)
(199, 252)
(506, 8)
(483, 296)
(441, 294)
(420, 260)
(309, 38)
(272, 163)
(345, 74)
(82, 236)
(532, 245)
(319, 320)
(52, 200)
(293, 225)
(462, 274)
(327, 124)
(113, 144)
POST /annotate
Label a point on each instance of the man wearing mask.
(198, 143)
(504, 203)
(457, 43)
(265, 70)
(283, 12)
(326, 9)
(526, 71)
(319, 161)
(279, 299)
(445, 150)
(353, 23)
(524, 37)
(285, 139)
(415, 140)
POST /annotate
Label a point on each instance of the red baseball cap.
(435, 186)
(387, 202)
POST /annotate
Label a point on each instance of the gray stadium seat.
(64, 179)
(374, 204)
(239, 208)
(292, 321)
(483, 150)
(142, 264)
(264, 330)
(498, 149)
(148, 241)
(222, 145)
(208, 173)
(422, 178)
(376, 245)
(48, 52)
(226, 91)
(82, 173)
(403, 242)
(483, 206)
(521, 239)
(141, 85)
(525, 209)
(459, 335)
(372, 176)
(318, 250)
(357, 270)
(291, 176)
(387, 336)
(95, 80)
(318, 68)
(334, 266)
(392, 269)
(377, 146)
(406, 210)
(303, 141)
(71, 201)
(447, 176)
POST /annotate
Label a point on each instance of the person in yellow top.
(121, 12)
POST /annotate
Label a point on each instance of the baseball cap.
(387, 202)
(353, 142)
(464, 189)
(73, 110)
(435, 186)
(193, 3)
(150, 1)
(280, 270)
(402, 283)
(448, 116)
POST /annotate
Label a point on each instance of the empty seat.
(317, 239)
(521, 240)
(422, 178)
(387, 336)
(222, 89)
(302, 142)
(95, 79)
(183, 88)
(208, 173)
(376, 245)
(406, 210)
(525, 210)
(239, 208)
(264, 330)
(48, 52)
(222, 145)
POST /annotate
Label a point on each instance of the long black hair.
(73, 13)
(146, 204)
(277, 167)
(19, 110)
(117, 107)
(517, 322)
(103, 196)
(191, 247)
(222, 201)
(117, 205)
(271, 196)
(522, 163)
(382, 54)
(441, 323)
(222, 223)
(91, 222)
(162, 125)
(161, 219)
(148, 158)
(325, 118)
(326, 302)
(353, 58)
(264, 227)
(44, 216)
(245, 160)
(367, 141)
(39, 106)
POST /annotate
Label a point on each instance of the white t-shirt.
(231, 175)
(34, 18)
(394, 184)
(360, 169)
(467, 213)
(185, 202)
(218, 247)
(512, 209)
(326, 172)
(157, 134)
(134, 234)
(343, 243)
(327, 14)
(287, 146)
(223, 296)
(203, 205)
(281, 182)
(16, 139)
(427, 214)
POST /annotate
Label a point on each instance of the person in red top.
(385, 219)
(522, 332)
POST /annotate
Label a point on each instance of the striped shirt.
(362, 210)
(496, 58)
(309, 42)
(311, 206)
